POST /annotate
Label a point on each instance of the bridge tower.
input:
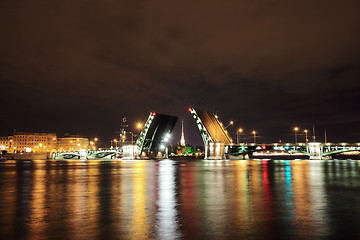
(216, 138)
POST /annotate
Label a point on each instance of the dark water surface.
(180, 199)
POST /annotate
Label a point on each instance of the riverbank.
(27, 156)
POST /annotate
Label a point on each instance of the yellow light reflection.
(139, 225)
(38, 206)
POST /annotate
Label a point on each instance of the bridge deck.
(214, 127)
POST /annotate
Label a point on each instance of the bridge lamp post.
(306, 139)
(139, 128)
(239, 131)
(231, 123)
(95, 140)
(254, 132)
(296, 129)
(132, 137)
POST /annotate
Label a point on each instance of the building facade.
(4, 143)
(72, 143)
(22, 142)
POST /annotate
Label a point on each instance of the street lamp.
(132, 137)
(139, 128)
(296, 129)
(306, 139)
(95, 140)
(115, 143)
(231, 123)
(239, 131)
(254, 132)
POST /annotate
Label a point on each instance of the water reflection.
(167, 199)
(166, 202)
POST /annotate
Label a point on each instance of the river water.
(180, 199)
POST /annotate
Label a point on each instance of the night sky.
(81, 66)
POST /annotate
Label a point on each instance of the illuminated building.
(72, 143)
(32, 142)
(4, 143)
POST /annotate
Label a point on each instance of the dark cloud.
(83, 65)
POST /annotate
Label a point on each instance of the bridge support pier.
(83, 154)
(315, 151)
(130, 152)
(215, 151)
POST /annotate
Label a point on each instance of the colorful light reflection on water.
(173, 199)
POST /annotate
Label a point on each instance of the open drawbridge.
(155, 135)
(214, 134)
(211, 129)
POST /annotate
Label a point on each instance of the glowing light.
(154, 114)
(231, 123)
(296, 129)
(306, 138)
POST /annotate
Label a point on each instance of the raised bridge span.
(154, 137)
(214, 134)
(211, 129)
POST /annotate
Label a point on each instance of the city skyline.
(80, 67)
